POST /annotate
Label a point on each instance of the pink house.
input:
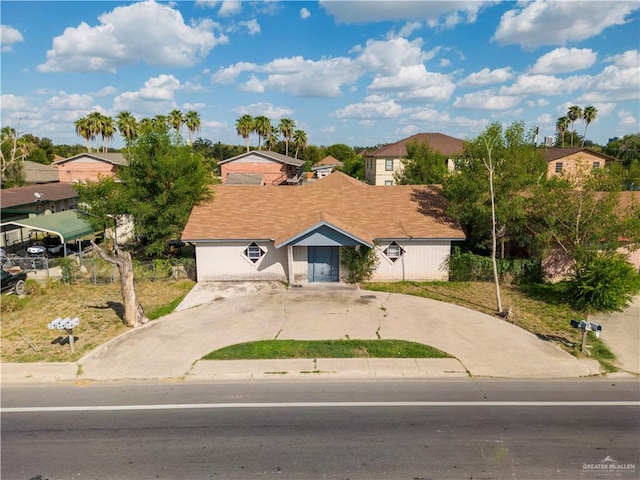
(89, 166)
(260, 167)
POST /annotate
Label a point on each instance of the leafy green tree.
(176, 120)
(574, 113)
(300, 141)
(83, 129)
(13, 151)
(340, 151)
(626, 148)
(127, 126)
(423, 166)
(561, 129)
(517, 165)
(245, 127)
(164, 180)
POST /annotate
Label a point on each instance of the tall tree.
(574, 113)
(244, 127)
(262, 126)
(561, 128)
(272, 138)
(300, 140)
(589, 115)
(13, 150)
(107, 131)
(286, 128)
(192, 121)
(423, 165)
(176, 120)
(95, 121)
(127, 126)
(84, 130)
(160, 123)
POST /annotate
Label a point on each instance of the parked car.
(13, 282)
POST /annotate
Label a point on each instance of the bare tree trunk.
(134, 315)
(494, 241)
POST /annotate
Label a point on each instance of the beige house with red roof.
(575, 162)
(296, 234)
(381, 166)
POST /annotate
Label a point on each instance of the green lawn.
(282, 349)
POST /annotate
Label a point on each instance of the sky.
(361, 73)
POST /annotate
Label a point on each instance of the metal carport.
(67, 225)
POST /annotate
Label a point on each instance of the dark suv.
(13, 282)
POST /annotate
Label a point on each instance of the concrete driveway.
(216, 315)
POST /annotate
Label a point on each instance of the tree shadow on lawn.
(117, 307)
(550, 293)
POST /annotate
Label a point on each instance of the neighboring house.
(325, 166)
(260, 167)
(383, 165)
(37, 173)
(296, 234)
(89, 166)
(27, 202)
(575, 161)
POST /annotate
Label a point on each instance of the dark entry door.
(323, 264)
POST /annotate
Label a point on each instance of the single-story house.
(261, 167)
(326, 166)
(297, 234)
(38, 173)
(382, 165)
(575, 161)
(89, 166)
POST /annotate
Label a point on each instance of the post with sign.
(67, 324)
(586, 327)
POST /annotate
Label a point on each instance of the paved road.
(484, 345)
(423, 429)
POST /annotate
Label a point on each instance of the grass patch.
(286, 349)
(26, 338)
(166, 309)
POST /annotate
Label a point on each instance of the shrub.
(360, 261)
(602, 282)
(469, 267)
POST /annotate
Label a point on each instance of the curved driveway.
(170, 347)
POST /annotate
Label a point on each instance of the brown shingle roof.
(555, 153)
(364, 211)
(13, 197)
(330, 161)
(278, 157)
(439, 142)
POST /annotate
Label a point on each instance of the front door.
(323, 264)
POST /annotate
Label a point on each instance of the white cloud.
(387, 57)
(141, 32)
(414, 83)
(156, 97)
(206, 3)
(161, 88)
(267, 109)
(618, 83)
(628, 59)
(9, 36)
(487, 100)
(74, 101)
(106, 91)
(230, 74)
(563, 60)
(541, 85)
(373, 107)
(253, 27)
(304, 13)
(442, 14)
(626, 118)
(532, 24)
(487, 77)
(13, 102)
(229, 8)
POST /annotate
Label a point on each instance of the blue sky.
(354, 72)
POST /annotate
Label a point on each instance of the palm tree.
(83, 130)
(192, 121)
(244, 127)
(574, 113)
(300, 140)
(561, 127)
(589, 115)
(107, 130)
(145, 125)
(272, 138)
(286, 128)
(95, 122)
(127, 126)
(262, 126)
(160, 123)
(176, 120)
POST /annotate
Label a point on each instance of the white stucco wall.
(224, 261)
(422, 260)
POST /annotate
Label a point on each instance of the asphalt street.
(393, 430)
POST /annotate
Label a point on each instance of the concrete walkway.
(216, 315)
